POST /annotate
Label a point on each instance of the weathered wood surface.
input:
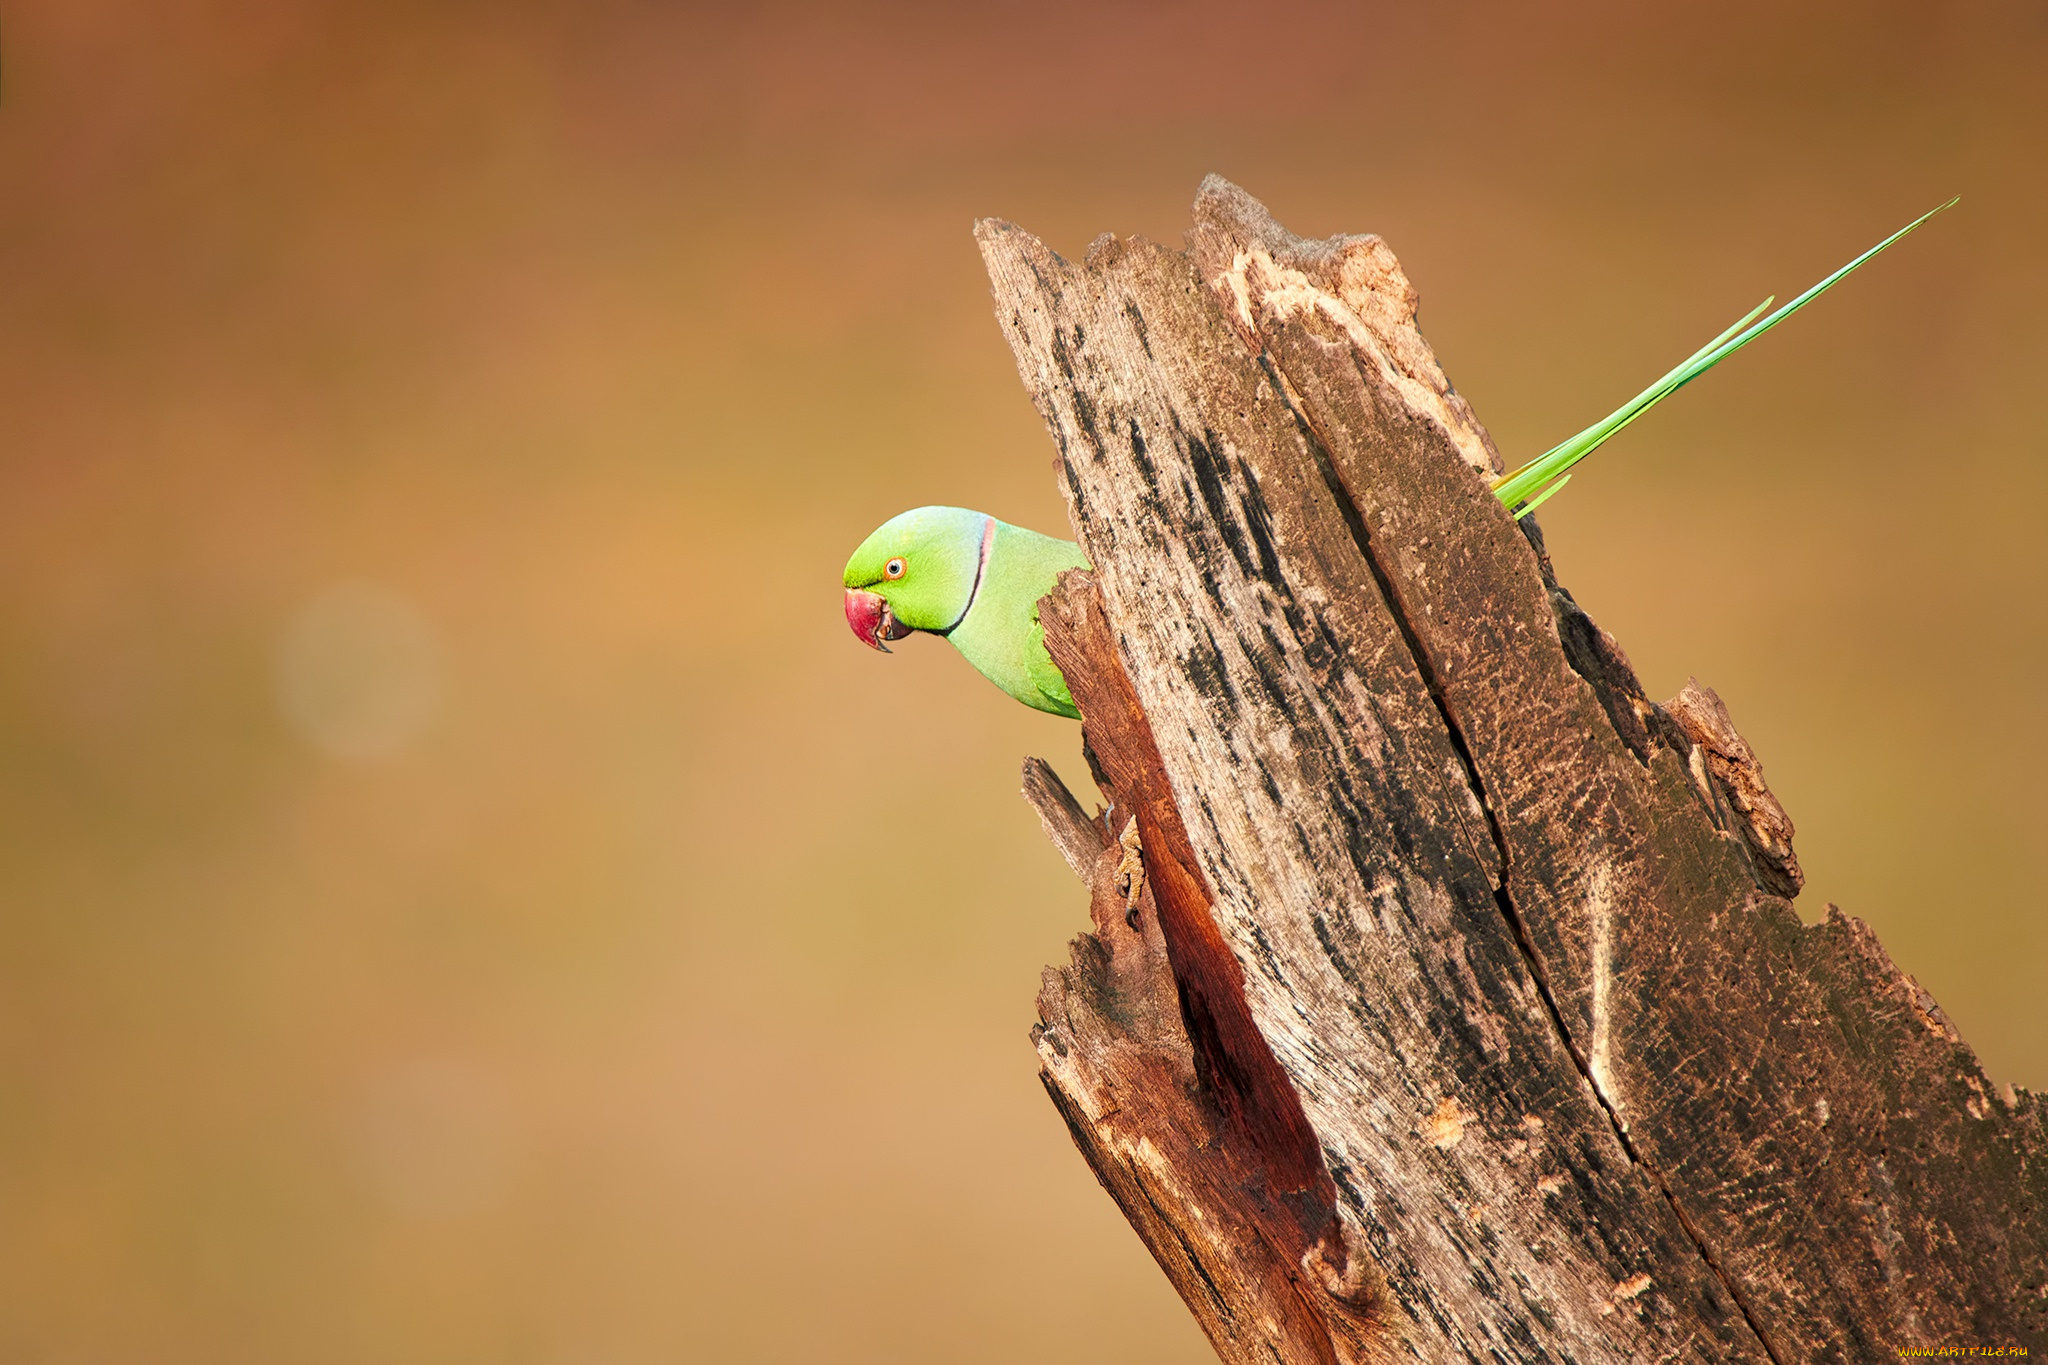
(1493, 1036)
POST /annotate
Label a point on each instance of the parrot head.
(918, 571)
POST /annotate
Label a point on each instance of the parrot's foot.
(1130, 870)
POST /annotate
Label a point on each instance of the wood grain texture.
(1492, 1027)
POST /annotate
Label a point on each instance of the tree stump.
(1445, 999)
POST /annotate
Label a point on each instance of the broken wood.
(1462, 1013)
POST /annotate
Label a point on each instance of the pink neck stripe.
(988, 541)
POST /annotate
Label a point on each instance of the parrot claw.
(1130, 870)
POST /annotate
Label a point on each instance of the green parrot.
(972, 579)
(976, 581)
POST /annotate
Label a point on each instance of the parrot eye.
(893, 569)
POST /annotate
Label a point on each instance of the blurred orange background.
(464, 897)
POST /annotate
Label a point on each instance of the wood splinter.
(1130, 869)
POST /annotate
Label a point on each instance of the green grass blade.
(1537, 477)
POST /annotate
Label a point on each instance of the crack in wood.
(1590, 1062)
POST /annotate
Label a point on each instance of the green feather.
(1528, 486)
(1000, 634)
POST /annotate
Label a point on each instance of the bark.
(1444, 999)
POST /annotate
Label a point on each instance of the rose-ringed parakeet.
(976, 581)
(972, 579)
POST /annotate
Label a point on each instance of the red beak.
(872, 621)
